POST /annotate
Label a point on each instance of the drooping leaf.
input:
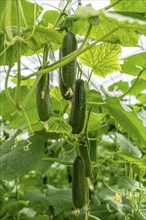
(103, 58)
(86, 11)
(41, 36)
(130, 5)
(22, 158)
(121, 85)
(133, 64)
(130, 184)
(127, 147)
(127, 119)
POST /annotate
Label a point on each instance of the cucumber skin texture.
(43, 105)
(68, 71)
(63, 88)
(77, 114)
(84, 153)
(78, 182)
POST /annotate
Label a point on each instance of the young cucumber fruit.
(77, 114)
(68, 71)
(84, 153)
(43, 97)
(78, 182)
(65, 92)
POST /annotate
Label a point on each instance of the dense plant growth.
(72, 151)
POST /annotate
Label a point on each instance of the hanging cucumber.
(68, 71)
(43, 97)
(77, 114)
(66, 93)
(78, 182)
(84, 153)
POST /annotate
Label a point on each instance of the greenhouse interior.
(73, 110)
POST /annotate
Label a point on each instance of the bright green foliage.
(103, 58)
(36, 158)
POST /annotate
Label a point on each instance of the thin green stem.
(6, 88)
(22, 15)
(94, 217)
(86, 37)
(29, 94)
(112, 4)
(60, 15)
(17, 95)
(58, 161)
(63, 61)
(27, 119)
(129, 90)
(90, 77)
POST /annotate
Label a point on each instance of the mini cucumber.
(66, 93)
(84, 153)
(43, 97)
(77, 114)
(78, 182)
(68, 71)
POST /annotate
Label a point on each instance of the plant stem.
(58, 161)
(129, 90)
(60, 15)
(90, 76)
(112, 4)
(6, 88)
(63, 61)
(17, 95)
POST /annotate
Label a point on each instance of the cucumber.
(66, 93)
(68, 71)
(84, 153)
(78, 182)
(78, 109)
(43, 98)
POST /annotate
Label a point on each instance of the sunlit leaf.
(103, 58)
(86, 11)
(55, 93)
(130, 5)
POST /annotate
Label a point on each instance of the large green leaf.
(41, 36)
(133, 64)
(127, 147)
(49, 17)
(130, 5)
(22, 158)
(122, 86)
(127, 119)
(124, 28)
(54, 197)
(30, 15)
(103, 58)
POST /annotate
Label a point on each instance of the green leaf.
(55, 93)
(138, 87)
(130, 184)
(103, 58)
(23, 158)
(122, 86)
(130, 5)
(54, 197)
(49, 17)
(128, 148)
(41, 36)
(95, 120)
(30, 15)
(127, 119)
(58, 125)
(133, 64)
(124, 28)
(86, 11)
